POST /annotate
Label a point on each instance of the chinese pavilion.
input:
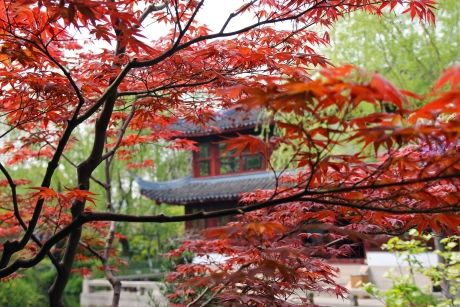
(218, 177)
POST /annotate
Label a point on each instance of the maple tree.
(67, 66)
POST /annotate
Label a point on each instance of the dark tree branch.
(334, 190)
(121, 133)
(87, 217)
(18, 217)
(97, 181)
(150, 9)
(11, 247)
(151, 92)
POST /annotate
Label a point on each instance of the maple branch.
(86, 168)
(446, 209)
(161, 218)
(147, 93)
(110, 90)
(183, 31)
(11, 247)
(92, 250)
(84, 172)
(120, 135)
(114, 281)
(383, 185)
(97, 181)
(68, 75)
(18, 217)
(87, 217)
(14, 196)
(176, 47)
(43, 48)
(198, 297)
(150, 9)
(233, 15)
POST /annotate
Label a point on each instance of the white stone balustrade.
(98, 293)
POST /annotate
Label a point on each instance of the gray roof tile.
(197, 190)
(225, 121)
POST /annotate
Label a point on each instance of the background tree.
(66, 65)
(410, 54)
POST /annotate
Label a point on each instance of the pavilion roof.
(225, 121)
(191, 190)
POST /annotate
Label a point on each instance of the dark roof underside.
(198, 190)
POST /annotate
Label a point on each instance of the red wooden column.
(214, 153)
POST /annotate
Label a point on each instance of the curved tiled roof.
(225, 121)
(197, 190)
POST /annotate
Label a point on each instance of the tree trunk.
(84, 172)
(114, 281)
(57, 288)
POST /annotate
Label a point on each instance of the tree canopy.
(119, 73)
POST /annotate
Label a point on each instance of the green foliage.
(21, 292)
(35, 283)
(74, 285)
(404, 291)
(408, 248)
(449, 269)
(73, 290)
(148, 241)
(409, 54)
